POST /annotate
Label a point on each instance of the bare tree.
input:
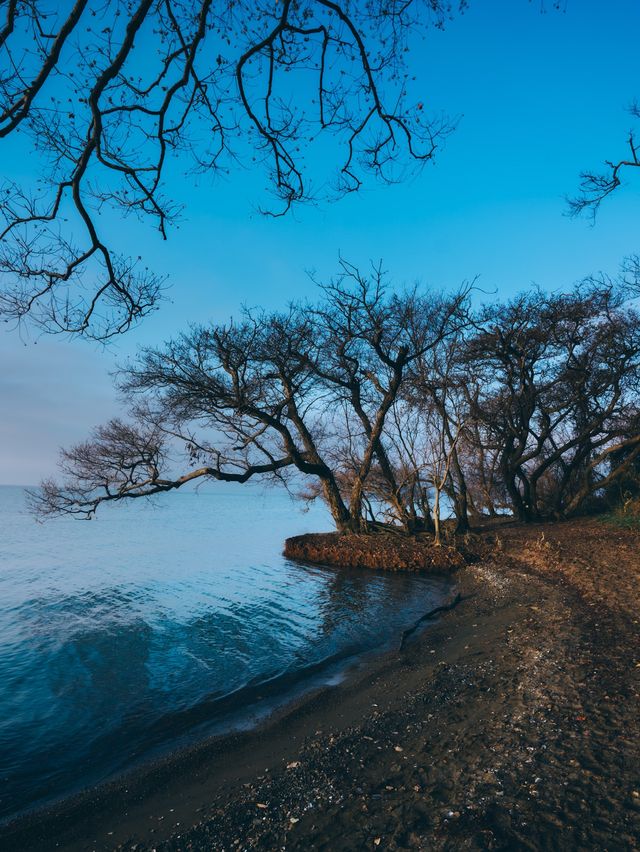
(111, 96)
(439, 387)
(370, 343)
(307, 392)
(595, 187)
(443, 448)
(227, 400)
(560, 394)
(479, 456)
(381, 404)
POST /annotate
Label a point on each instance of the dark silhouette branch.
(595, 187)
(109, 96)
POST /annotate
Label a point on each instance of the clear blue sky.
(541, 96)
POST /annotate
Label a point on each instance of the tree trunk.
(460, 501)
(588, 484)
(339, 511)
(509, 478)
(436, 518)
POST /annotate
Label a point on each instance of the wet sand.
(510, 723)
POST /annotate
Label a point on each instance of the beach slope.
(509, 723)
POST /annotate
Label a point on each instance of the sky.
(540, 95)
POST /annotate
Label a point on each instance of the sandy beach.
(508, 722)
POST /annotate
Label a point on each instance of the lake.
(158, 625)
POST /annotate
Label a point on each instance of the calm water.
(153, 626)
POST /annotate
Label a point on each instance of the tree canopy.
(380, 403)
(110, 96)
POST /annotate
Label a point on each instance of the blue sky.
(540, 96)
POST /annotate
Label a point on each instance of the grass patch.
(626, 517)
(621, 520)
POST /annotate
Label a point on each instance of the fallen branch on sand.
(426, 617)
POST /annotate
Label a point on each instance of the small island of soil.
(384, 551)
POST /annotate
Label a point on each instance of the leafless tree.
(113, 96)
(560, 385)
(425, 447)
(442, 452)
(439, 388)
(479, 456)
(380, 403)
(228, 398)
(370, 344)
(307, 391)
(595, 187)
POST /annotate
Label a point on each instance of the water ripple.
(126, 636)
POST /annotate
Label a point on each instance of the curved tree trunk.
(461, 501)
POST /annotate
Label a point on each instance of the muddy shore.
(509, 723)
(384, 552)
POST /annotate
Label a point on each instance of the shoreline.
(383, 551)
(510, 723)
(148, 777)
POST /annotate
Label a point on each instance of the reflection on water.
(151, 626)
